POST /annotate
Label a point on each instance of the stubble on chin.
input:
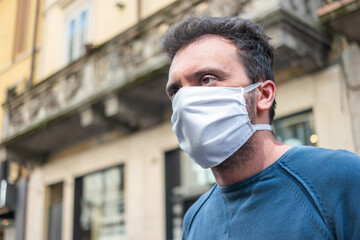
(240, 158)
(244, 154)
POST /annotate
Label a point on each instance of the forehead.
(204, 50)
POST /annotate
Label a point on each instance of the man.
(223, 95)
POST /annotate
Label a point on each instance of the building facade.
(20, 29)
(89, 138)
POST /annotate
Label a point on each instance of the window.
(55, 211)
(297, 129)
(71, 42)
(83, 29)
(100, 205)
(185, 182)
(22, 18)
(77, 33)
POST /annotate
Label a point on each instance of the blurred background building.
(87, 150)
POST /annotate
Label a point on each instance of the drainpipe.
(32, 69)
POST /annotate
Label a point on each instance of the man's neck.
(265, 151)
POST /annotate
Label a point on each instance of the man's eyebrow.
(175, 85)
(209, 70)
(197, 75)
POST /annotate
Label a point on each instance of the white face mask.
(212, 123)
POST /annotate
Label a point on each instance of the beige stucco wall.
(52, 38)
(15, 69)
(106, 21)
(149, 7)
(7, 31)
(111, 20)
(325, 93)
(143, 156)
(8, 20)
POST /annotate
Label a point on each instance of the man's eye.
(207, 80)
(173, 92)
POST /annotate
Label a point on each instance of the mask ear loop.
(262, 127)
(252, 87)
(257, 127)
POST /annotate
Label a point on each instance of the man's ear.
(267, 95)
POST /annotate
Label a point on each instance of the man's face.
(209, 61)
(213, 61)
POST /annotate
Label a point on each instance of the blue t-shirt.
(308, 193)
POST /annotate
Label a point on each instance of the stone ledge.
(342, 16)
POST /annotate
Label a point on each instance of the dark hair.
(254, 50)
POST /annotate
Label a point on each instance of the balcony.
(116, 89)
(343, 16)
(300, 45)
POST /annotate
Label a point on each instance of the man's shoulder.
(327, 171)
(194, 209)
(331, 178)
(315, 160)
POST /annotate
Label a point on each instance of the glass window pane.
(192, 175)
(55, 211)
(185, 182)
(103, 205)
(71, 41)
(83, 30)
(297, 129)
(78, 28)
